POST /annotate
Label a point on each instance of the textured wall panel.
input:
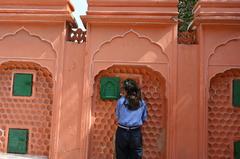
(223, 118)
(104, 124)
(33, 113)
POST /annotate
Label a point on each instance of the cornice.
(34, 2)
(33, 11)
(135, 12)
(228, 20)
(29, 10)
(29, 4)
(36, 11)
(216, 12)
(140, 19)
(217, 4)
(132, 3)
(13, 17)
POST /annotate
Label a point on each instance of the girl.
(131, 113)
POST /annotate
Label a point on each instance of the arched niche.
(222, 117)
(33, 113)
(153, 86)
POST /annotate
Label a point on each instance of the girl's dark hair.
(133, 94)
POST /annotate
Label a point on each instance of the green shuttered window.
(110, 87)
(237, 150)
(22, 84)
(236, 93)
(17, 141)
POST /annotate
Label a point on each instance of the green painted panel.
(22, 84)
(18, 141)
(236, 93)
(110, 87)
(237, 150)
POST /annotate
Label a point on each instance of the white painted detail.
(18, 156)
(2, 133)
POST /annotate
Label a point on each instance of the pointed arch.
(226, 53)
(131, 46)
(26, 44)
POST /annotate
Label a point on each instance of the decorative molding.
(30, 2)
(92, 79)
(129, 62)
(225, 43)
(76, 35)
(217, 3)
(132, 3)
(130, 19)
(111, 63)
(23, 29)
(124, 35)
(36, 10)
(43, 3)
(216, 11)
(35, 62)
(224, 70)
(125, 64)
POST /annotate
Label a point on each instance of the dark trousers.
(128, 144)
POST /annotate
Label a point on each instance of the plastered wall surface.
(187, 87)
(221, 60)
(124, 43)
(35, 42)
(71, 101)
(131, 46)
(187, 106)
(35, 32)
(218, 45)
(31, 42)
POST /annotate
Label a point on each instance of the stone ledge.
(216, 12)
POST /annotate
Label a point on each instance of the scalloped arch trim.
(226, 53)
(22, 43)
(25, 64)
(131, 47)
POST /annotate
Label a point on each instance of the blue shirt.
(128, 117)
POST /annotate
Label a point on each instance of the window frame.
(34, 73)
(232, 94)
(28, 139)
(232, 146)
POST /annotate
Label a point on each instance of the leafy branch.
(185, 14)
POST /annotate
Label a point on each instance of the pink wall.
(186, 109)
(124, 36)
(31, 36)
(129, 40)
(71, 101)
(42, 48)
(218, 45)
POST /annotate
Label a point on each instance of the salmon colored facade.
(188, 88)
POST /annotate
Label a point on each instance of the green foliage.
(185, 13)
